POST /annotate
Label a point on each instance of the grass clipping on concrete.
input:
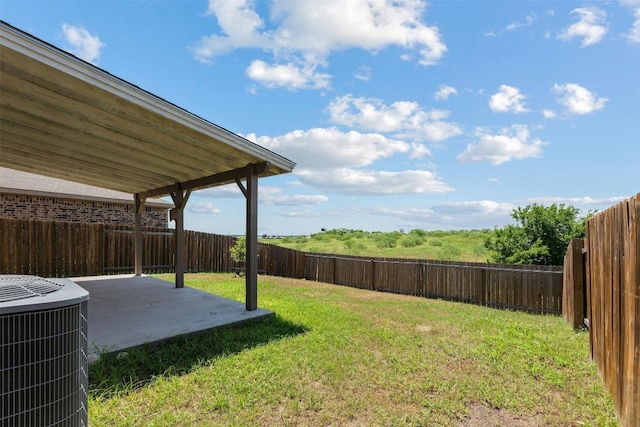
(335, 355)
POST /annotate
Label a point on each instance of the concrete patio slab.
(126, 311)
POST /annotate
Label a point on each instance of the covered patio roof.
(65, 118)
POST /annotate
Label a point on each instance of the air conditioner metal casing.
(43, 352)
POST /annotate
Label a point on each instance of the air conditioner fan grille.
(15, 287)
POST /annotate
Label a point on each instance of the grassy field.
(335, 355)
(458, 245)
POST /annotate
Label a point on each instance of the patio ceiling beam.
(208, 181)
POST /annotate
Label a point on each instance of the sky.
(398, 114)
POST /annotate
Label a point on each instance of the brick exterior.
(23, 206)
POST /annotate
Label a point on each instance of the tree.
(541, 235)
(239, 250)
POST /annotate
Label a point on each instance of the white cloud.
(82, 43)
(266, 194)
(578, 200)
(479, 207)
(404, 119)
(331, 148)
(239, 22)
(299, 34)
(548, 114)
(418, 151)
(508, 98)
(331, 160)
(630, 3)
(274, 196)
(444, 92)
(372, 26)
(229, 191)
(375, 183)
(529, 19)
(513, 143)
(591, 26)
(203, 207)
(578, 100)
(634, 33)
(363, 74)
(454, 215)
(291, 76)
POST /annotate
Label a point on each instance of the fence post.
(335, 260)
(573, 295)
(373, 274)
(100, 250)
(300, 265)
(483, 285)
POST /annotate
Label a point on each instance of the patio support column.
(251, 263)
(180, 198)
(252, 239)
(139, 209)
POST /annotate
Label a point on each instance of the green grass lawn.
(335, 355)
(458, 245)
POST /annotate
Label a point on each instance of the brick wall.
(21, 206)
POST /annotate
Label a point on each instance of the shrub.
(411, 241)
(541, 235)
(418, 232)
(239, 250)
(450, 253)
(387, 240)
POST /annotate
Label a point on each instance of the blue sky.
(399, 114)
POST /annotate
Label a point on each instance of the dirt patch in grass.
(481, 415)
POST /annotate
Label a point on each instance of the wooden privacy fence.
(203, 251)
(59, 249)
(536, 289)
(613, 303)
(66, 249)
(51, 249)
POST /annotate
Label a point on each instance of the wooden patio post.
(177, 214)
(251, 276)
(139, 208)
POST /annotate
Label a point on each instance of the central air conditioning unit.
(44, 369)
